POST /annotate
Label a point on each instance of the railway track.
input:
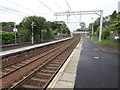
(26, 54)
(38, 71)
(6, 70)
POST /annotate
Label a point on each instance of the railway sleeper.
(25, 62)
(59, 59)
(8, 69)
(0, 73)
(30, 87)
(53, 65)
(44, 74)
(48, 71)
(42, 77)
(14, 66)
(55, 62)
(33, 83)
(4, 73)
(40, 80)
(20, 64)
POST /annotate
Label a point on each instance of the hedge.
(7, 37)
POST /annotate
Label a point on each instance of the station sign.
(15, 29)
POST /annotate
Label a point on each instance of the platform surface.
(88, 67)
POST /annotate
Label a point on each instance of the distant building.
(7, 29)
(107, 18)
(106, 21)
(119, 6)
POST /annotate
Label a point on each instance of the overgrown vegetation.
(110, 23)
(108, 41)
(111, 28)
(43, 30)
(7, 37)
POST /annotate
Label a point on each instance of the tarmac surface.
(96, 68)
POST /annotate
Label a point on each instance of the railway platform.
(96, 70)
(67, 74)
(22, 49)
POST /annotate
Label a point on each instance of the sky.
(16, 10)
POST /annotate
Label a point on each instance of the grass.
(108, 42)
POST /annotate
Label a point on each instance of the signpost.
(15, 30)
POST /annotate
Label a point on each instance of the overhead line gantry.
(98, 12)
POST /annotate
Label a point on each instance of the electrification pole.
(92, 29)
(101, 19)
(67, 15)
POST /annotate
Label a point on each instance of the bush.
(7, 37)
(26, 33)
(105, 33)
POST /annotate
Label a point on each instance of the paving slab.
(63, 84)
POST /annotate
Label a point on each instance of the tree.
(113, 16)
(90, 27)
(115, 22)
(59, 27)
(39, 24)
(117, 25)
(110, 23)
(96, 24)
(47, 32)
(105, 33)
(8, 26)
(83, 26)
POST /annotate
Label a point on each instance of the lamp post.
(92, 28)
(32, 32)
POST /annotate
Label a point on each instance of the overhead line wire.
(46, 6)
(13, 10)
(14, 13)
(70, 9)
(58, 5)
(21, 6)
